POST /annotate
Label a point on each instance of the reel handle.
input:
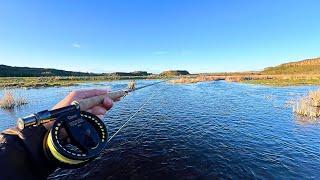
(87, 103)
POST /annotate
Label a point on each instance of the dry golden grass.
(254, 78)
(315, 98)
(195, 79)
(9, 101)
(132, 84)
(309, 105)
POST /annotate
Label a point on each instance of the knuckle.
(72, 93)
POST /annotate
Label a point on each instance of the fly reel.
(87, 137)
(75, 138)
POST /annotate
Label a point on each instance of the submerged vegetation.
(309, 105)
(9, 100)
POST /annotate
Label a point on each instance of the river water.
(205, 130)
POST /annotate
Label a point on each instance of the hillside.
(135, 73)
(174, 73)
(308, 66)
(10, 71)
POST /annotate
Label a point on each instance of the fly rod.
(86, 133)
(84, 104)
(90, 102)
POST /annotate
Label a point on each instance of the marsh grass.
(39, 82)
(309, 105)
(254, 78)
(195, 79)
(315, 98)
(9, 101)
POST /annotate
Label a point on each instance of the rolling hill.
(12, 71)
(308, 66)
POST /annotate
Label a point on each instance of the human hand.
(98, 110)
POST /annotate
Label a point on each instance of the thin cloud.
(161, 52)
(76, 45)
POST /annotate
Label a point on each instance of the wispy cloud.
(161, 52)
(76, 45)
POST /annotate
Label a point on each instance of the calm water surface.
(205, 130)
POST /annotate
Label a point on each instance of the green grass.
(293, 69)
(284, 82)
(35, 82)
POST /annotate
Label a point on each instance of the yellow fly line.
(60, 157)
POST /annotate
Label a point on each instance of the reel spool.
(75, 138)
(85, 140)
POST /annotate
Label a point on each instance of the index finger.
(90, 93)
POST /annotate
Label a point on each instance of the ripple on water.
(204, 130)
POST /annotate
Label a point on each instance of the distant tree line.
(10, 71)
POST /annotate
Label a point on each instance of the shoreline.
(42, 82)
(258, 79)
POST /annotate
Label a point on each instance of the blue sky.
(127, 35)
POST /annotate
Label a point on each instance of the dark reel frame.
(57, 150)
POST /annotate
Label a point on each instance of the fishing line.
(145, 125)
(88, 132)
(132, 116)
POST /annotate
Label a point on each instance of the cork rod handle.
(88, 103)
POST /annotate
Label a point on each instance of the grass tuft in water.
(309, 105)
(9, 101)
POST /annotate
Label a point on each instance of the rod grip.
(88, 103)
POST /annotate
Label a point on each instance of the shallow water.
(205, 130)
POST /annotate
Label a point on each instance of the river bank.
(38, 82)
(254, 78)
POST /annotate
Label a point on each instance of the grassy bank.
(254, 78)
(36, 82)
(284, 82)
